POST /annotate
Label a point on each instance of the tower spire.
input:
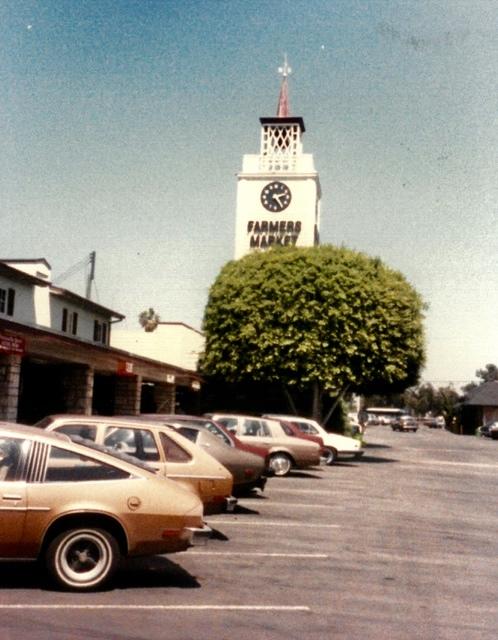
(283, 99)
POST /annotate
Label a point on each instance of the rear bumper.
(356, 453)
(230, 503)
(246, 487)
(199, 536)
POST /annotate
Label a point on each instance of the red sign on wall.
(12, 344)
(125, 368)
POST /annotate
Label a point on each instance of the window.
(7, 298)
(254, 428)
(228, 423)
(74, 323)
(89, 432)
(66, 466)
(172, 451)
(64, 319)
(139, 443)
(100, 332)
(10, 458)
(213, 428)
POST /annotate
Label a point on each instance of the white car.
(336, 446)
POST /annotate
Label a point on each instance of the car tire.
(280, 464)
(82, 559)
(330, 455)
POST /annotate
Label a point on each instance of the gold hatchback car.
(80, 509)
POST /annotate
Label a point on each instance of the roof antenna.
(91, 275)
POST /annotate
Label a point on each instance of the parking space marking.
(158, 607)
(304, 505)
(306, 556)
(313, 492)
(286, 523)
(478, 465)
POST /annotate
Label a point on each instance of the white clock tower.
(278, 191)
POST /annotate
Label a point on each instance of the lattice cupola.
(281, 136)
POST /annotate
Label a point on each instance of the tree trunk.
(290, 401)
(316, 409)
(337, 400)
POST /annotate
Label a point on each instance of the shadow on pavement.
(240, 509)
(216, 534)
(154, 572)
(149, 572)
(377, 460)
(21, 575)
(304, 474)
(377, 446)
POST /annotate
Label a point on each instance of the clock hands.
(277, 197)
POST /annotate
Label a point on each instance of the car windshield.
(112, 452)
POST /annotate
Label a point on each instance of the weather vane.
(285, 70)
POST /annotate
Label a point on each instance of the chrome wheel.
(330, 456)
(280, 464)
(82, 559)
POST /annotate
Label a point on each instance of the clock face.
(275, 196)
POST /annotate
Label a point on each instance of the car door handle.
(11, 496)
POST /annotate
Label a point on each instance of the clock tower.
(278, 190)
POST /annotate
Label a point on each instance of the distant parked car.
(434, 422)
(489, 430)
(161, 447)
(248, 469)
(335, 445)
(405, 423)
(78, 509)
(285, 452)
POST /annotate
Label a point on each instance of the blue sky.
(124, 124)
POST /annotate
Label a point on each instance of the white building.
(174, 342)
(55, 354)
(278, 190)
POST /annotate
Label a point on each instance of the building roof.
(86, 303)
(485, 395)
(20, 276)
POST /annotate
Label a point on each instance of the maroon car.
(292, 429)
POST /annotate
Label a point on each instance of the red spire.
(283, 99)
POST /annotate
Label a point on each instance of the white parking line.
(266, 523)
(306, 556)
(314, 492)
(158, 607)
(303, 505)
(478, 465)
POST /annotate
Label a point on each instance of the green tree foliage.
(323, 318)
(488, 374)
(425, 399)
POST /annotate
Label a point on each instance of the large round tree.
(324, 318)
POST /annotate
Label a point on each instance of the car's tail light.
(170, 533)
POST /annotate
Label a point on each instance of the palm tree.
(149, 320)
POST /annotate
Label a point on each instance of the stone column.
(78, 386)
(128, 395)
(10, 372)
(164, 397)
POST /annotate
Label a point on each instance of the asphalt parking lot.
(402, 544)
